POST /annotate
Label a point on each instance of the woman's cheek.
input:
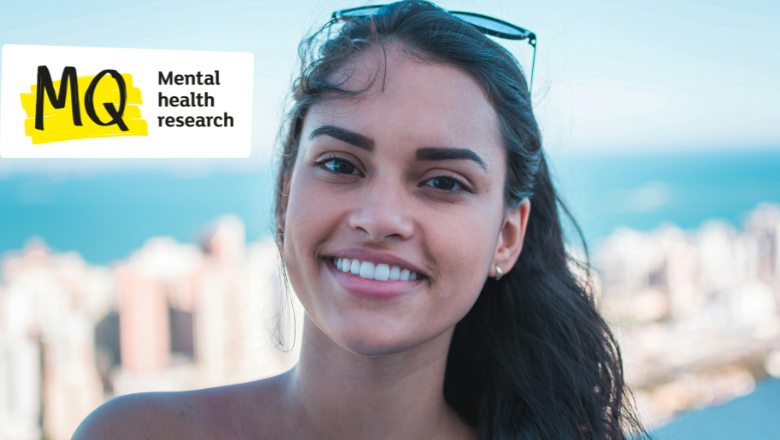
(304, 229)
(465, 246)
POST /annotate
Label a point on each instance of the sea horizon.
(106, 215)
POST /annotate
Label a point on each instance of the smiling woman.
(419, 228)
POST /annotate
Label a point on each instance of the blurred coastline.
(686, 266)
(696, 313)
(107, 214)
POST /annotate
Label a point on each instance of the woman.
(419, 227)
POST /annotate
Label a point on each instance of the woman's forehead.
(422, 101)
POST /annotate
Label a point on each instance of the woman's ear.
(510, 237)
(281, 209)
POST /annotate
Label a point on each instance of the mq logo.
(191, 113)
(52, 117)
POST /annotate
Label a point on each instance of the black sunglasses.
(487, 25)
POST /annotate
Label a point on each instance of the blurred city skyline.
(171, 317)
(696, 313)
(610, 75)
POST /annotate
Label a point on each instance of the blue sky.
(611, 75)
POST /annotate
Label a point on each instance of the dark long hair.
(533, 359)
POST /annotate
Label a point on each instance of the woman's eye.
(339, 166)
(445, 184)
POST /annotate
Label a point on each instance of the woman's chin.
(375, 342)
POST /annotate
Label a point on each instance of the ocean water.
(643, 191)
(754, 417)
(107, 215)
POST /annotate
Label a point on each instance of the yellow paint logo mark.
(94, 106)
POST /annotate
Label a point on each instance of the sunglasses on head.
(485, 24)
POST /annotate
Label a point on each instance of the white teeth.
(395, 273)
(367, 270)
(379, 272)
(382, 272)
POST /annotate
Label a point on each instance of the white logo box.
(233, 96)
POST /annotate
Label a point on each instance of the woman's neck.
(335, 394)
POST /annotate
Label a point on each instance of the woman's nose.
(381, 212)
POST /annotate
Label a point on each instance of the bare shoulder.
(136, 416)
(229, 412)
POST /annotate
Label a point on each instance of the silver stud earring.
(499, 272)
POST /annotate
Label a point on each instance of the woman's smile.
(369, 281)
(371, 274)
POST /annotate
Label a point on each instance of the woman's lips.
(367, 288)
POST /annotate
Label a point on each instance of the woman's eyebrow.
(439, 153)
(426, 153)
(344, 135)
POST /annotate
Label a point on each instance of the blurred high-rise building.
(50, 303)
(171, 317)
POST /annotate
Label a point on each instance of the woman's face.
(405, 178)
